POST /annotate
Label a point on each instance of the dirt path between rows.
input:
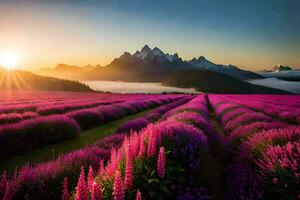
(213, 169)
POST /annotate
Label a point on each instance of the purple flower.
(31, 134)
(87, 118)
(136, 124)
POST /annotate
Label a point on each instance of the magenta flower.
(275, 180)
(129, 171)
(138, 195)
(136, 124)
(161, 162)
(96, 191)
(65, 193)
(7, 194)
(3, 182)
(101, 167)
(119, 193)
(90, 178)
(151, 142)
(286, 157)
(81, 190)
(135, 144)
(142, 149)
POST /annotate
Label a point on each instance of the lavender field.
(180, 147)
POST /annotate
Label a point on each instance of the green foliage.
(107, 187)
(286, 188)
(147, 181)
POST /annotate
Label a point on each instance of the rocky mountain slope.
(143, 63)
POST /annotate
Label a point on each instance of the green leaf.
(151, 193)
(156, 180)
(164, 188)
(152, 173)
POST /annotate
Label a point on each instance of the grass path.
(213, 170)
(50, 152)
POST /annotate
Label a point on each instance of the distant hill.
(212, 82)
(140, 65)
(64, 71)
(20, 80)
(279, 68)
(282, 72)
(203, 64)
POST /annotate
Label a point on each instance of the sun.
(9, 59)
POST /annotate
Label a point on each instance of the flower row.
(28, 135)
(157, 163)
(284, 107)
(264, 152)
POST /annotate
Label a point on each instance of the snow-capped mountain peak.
(173, 58)
(201, 58)
(144, 53)
(157, 59)
(279, 68)
(156, 55)
(146, 48)
(201, 62)
(157, 52)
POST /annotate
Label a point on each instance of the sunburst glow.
(9, 59)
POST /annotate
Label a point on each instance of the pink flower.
(287, 157)
(138, 195)
(125, 145)
(81, 190)
(7, 194)
(90, 178)
(119, 193)
(129, 171)
(65, 193)
(113, 164)
(142, 149)
(96, 191)
(161, 162)
(275, 180)
(3, 182)
(136, 144)
(152, 142)
(101, 167)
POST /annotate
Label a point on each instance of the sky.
(254, 35)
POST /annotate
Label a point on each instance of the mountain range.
(153, 65)
(279, 68)
(282, 72)
(140, 65)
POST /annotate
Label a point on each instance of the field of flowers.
(29, 120)
(262, 145)
(188, 147)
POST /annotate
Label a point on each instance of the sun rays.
(12, 80)
(9, 59)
